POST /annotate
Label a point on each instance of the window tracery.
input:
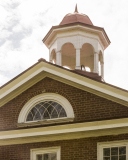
(46, 110)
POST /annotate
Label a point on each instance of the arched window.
(46, 108)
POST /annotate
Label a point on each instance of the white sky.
(24, 23)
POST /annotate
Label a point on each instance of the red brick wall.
(86, 106)
(79, 149)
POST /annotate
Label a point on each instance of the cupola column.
(78, 59)
(58, 58)
(102, 69)
(50, 57)
(96, 66)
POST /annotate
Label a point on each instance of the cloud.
(24, 23)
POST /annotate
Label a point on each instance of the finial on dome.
(76, 9)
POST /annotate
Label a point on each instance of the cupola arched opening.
(53, 56)
(87, 56)
(48, 107)
(68, 52)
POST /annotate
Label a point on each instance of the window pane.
(50, 102)
(114, 151)
(106, 152)
(46, 104)
(29, 117)
(34, 110)
(39, 157)
(50, 109)
(41, 110)
(114, 157)
(54, 114)
(37, 116)
(122, 150)
(38, 106)
(53, 156)
(46, 115)
(54, 104)
(63, 113)
(46, 157)
(42, 103)
(106, 158)
(58, 108)
(122, 157)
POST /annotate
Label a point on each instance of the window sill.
(44, 122)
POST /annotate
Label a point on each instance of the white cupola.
(76, 42)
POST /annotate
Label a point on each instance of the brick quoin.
(77, 149)
(87, 106)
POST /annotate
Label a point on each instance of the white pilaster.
(58, 58)
(77, 59)
(50, 58)
(102, 70)
(96, 66)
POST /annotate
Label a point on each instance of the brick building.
(58, 110)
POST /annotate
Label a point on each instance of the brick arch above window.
(41, 99)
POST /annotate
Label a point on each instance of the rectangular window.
(50, 153)
(117, 150)
(46, 156)
(114, 153)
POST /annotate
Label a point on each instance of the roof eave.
(54, 29)
(43, 69)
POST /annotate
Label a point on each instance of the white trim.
(69, 128)
(102, 145)
(75, 34)
(81, 27)
(45, 122)
(36, 151)
(21, 82)
(45, 97)
(79, 81)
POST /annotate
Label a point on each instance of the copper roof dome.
(76, 17)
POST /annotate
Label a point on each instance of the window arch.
(46, 107)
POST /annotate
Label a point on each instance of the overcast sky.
(24, 23)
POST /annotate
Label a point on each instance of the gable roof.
(79, 79)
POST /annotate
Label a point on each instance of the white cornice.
(106, 127)
(54, 31)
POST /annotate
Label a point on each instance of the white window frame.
(46, 97)
(34, 152)
(102, 145)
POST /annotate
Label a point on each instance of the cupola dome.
(76, 17)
